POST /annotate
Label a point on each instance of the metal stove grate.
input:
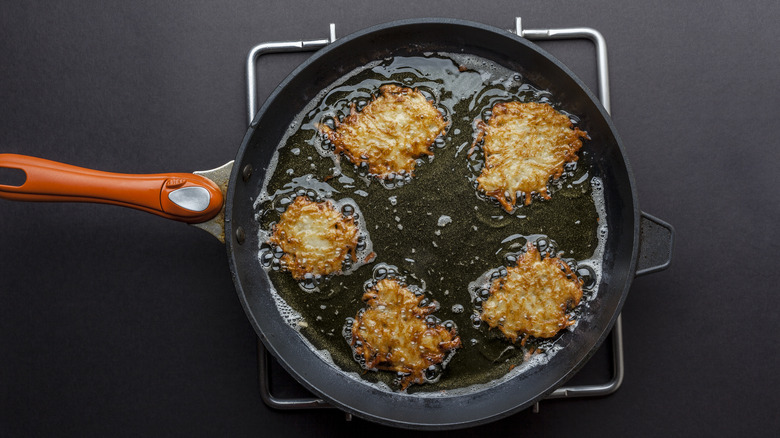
(592, 35)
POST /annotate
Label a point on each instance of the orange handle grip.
(183, 197)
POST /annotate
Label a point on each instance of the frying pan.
(221, 201)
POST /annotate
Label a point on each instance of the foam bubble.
(444, 220)
(288, 314)
(596, 261)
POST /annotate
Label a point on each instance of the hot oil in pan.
(435, 229)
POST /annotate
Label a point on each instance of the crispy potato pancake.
(315, 238)
(524, 144)
(392, 333)
(390, 133)
(533, 298)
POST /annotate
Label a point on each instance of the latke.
(525, 144)
(390, 133)
(315, 238)
(533, 298)
(393, 334)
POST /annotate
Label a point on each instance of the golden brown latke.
(532, 299)
(525, 144)
(392, 333)
(390, 133)
(315, 238)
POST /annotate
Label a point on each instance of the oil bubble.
(329, 122)
(587, 275)
(380, 273)
(308, 282)
(432, 321)
(433, 373)
(266, 258)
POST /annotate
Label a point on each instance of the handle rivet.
(240, 235)
(246, 172)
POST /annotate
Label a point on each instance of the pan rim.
(232, 244)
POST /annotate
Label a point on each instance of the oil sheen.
(435, 229)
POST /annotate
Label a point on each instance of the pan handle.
(183, 197)
(656, 239)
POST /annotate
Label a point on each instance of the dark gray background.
(118, 323)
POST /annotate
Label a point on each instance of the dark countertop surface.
(118, 323)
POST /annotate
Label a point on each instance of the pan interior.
(435, 230)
